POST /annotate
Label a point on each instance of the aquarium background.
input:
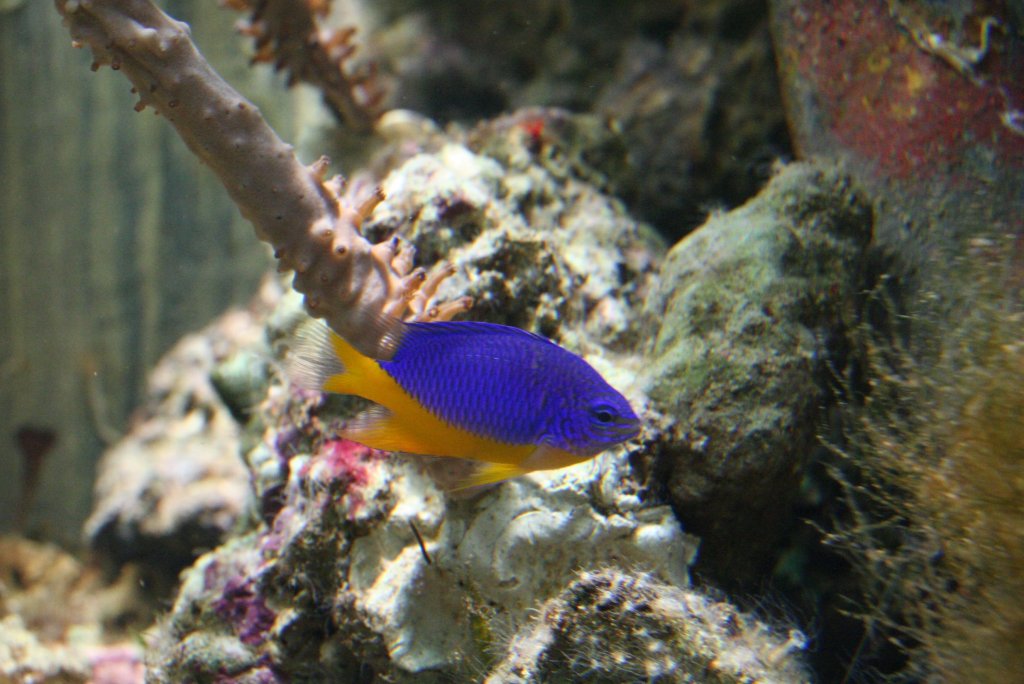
(116, 242)
(789, 232)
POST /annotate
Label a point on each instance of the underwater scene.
(536, 342)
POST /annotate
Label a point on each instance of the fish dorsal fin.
(378, 335)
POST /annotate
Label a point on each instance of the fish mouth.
(625, 431)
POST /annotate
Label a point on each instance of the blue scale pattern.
(493, 380)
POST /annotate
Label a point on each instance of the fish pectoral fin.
(489, 473)
(378, 428)
(549, 457)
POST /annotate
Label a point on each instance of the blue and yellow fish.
(491, 393)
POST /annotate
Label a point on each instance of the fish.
(513, 401)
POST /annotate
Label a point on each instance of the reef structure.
(312, 225)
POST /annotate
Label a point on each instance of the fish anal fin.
(378, 428)
(489, 473)
(338, 384)
(543, 457)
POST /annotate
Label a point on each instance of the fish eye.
(603, 413)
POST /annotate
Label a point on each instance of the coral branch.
(314, 232)
(288, 34)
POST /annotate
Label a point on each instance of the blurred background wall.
(113, 243)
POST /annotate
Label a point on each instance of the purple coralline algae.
(244, 610)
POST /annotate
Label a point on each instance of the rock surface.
(689, 92)
(536, 248)
(24, 659)
(344, 549)
(175, 484)
(749, 306)
(610, 626)
(362, 561)
(357, 564)
(62, 622)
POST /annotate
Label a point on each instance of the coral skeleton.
(313, 226)
(290, 36)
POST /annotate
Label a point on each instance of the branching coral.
(311, 224)
(289, 35)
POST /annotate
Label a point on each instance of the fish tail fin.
(323, 361)
(489, 473)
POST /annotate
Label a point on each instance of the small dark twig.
(34, 443)
(419, 539)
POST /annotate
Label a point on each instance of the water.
(828, 368)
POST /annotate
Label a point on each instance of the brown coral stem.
(347, 282)
(288, 33)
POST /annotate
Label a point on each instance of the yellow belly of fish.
(412, 428)
(407, 425)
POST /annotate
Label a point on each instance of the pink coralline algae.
(345, 467)
(117, 665)
(344, 459)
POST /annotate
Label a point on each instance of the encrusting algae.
(938, 524)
